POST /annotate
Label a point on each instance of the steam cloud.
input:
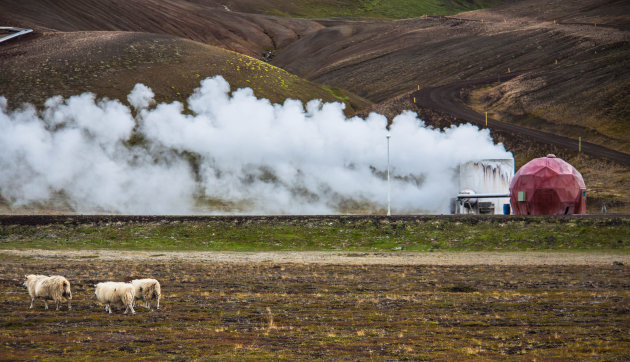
(228, 153)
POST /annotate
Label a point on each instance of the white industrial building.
(484, 187)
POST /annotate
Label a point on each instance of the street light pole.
(389, 189)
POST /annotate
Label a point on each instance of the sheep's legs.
(32, 301)
(158, 303)
(130, 307)
(45, 304)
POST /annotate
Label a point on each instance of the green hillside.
(395, 9)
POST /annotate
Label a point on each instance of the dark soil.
(307, 311)
(32, 220)
(576, 73)
(204, 21)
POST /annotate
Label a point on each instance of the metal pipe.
(18, 32)
(481, 196)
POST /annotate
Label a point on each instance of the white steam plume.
(229, 153)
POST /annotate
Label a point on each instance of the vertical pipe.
(389, 189)
(486, 119)
(580, 144)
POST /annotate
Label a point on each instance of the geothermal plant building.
(543, 186)
(484, 187)
(548, 186)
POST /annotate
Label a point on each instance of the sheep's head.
(66, 290)
(28, 277)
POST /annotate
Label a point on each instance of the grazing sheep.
(54, 287)
(116, 293)
(147, 289)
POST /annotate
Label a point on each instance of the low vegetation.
(295, 311)
(396, 9)
(268, 311)
(375, 233)
(111, 63)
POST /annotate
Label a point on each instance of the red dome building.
(548, 186)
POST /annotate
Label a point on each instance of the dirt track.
(446, 99)
(336, 258)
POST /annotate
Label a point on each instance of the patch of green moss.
(332, 233)
(395, 9)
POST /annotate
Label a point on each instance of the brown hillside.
(109, 64)
(573, 57)
(205, 21)
(587, 89)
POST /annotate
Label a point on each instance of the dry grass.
(299, 311)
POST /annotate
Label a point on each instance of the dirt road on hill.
(446, 99)
(335, 258)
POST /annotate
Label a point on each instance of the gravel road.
(344, 258)
(446, 99)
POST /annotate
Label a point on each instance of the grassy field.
(275, 310)
(315, 233)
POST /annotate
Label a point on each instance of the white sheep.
(147, 289)
(46, 287)
(117, 293)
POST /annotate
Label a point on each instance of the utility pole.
(389, 189)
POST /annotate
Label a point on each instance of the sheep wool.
(116, 293)
(55, 288)
(147, 289)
